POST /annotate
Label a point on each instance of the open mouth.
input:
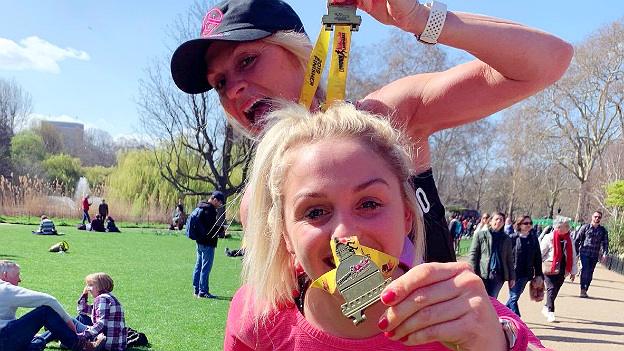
(256, 112)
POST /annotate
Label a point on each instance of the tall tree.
(191, 127)
(583, 111)
(15, 105)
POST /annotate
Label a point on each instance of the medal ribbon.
(385, 262)
(337, 79)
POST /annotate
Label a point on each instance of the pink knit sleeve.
(526, 339)
(240, 328)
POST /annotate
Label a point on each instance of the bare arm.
(512, 62)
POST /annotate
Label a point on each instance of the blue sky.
(82, 60)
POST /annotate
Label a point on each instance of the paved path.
(594, 324)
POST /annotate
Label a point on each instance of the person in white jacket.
(18, 334)
(559, 259)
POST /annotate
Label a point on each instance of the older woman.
(558, 261)
(253, 52)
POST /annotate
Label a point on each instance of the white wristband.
(435, 22)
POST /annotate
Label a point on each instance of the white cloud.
(34, 53)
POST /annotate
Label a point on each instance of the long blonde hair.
(267, 266)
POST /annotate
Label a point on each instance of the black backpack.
(194, 226)
(135, 338)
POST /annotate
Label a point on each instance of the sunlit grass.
(152, 270)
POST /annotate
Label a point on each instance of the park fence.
(614, 263)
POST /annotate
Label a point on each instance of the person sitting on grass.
(19, 333)
(97, 224)
(110, 225)
(334, 175)
(46, 227)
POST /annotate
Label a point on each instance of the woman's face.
(339, 188)
(497, 222)
(564, 228)
(248, 75)
(485, 219)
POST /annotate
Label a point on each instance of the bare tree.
(584, 109)
(194, 145)
(15, 106)
(100, 148)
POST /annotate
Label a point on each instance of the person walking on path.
(491, 256)
(455, 227)
(558, 261)
(85, 209)
(589, 240)
(206, 244)
(527, 260)
(18, 334)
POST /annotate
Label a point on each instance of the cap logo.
(211, 21)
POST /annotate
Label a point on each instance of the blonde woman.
(318, 177)
(559, 260)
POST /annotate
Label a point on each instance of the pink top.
(290, 331)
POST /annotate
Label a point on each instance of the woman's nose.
(235, 87)
(344, 227)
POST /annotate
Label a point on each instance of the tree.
(583, 110)
(615, 197)
(100, 148)
(27, 152)
(52, 140)
(63, 169)
(15, 105)
(191, 128)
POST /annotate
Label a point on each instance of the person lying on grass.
(334, 175)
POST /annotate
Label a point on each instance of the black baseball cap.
(219, 196)
(231, 20)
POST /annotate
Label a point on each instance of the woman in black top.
(527, 259)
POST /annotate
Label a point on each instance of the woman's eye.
(248, 60)
(314, 213)
(220, 84)
(370, 204)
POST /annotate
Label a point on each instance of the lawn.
(152, 270)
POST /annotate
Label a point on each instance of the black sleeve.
(537, 258)
(438, 239)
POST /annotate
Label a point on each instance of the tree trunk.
(582, 199)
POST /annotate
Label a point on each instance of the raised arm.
(512, 62)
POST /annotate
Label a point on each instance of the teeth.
(248, 110)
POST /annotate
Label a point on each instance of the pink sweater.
(290, 331)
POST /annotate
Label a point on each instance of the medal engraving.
(341, 14)
(359, 280)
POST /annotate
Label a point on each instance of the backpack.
(135, 338)
(194, 226)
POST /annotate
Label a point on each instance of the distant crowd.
(522, 253)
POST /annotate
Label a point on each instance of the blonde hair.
(102, 281)
(267, 266)
(8, 266)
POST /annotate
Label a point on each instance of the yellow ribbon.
(385, 262)
(337, 79)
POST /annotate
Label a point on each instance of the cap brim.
(188, 63)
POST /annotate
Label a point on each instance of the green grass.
(152, 270)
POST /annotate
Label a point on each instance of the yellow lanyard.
(344, 21)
